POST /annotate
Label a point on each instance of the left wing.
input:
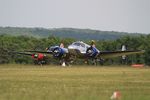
(111, 54)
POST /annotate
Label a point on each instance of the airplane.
(81, 50)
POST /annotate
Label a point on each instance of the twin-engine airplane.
(78, 50)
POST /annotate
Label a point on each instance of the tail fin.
(123, 49)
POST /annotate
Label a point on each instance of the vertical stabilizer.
(123, 49)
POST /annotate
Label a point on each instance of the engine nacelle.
(59, 52)
(92, 52)
(38, 56)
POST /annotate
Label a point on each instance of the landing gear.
(64, 63)
(94, 61)
(90, 61)
(101, 61)
(41, 62)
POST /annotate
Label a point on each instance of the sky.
(107, 15)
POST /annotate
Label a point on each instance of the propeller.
(58, 52)
(91, 52)
(38, 56)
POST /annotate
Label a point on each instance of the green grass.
(28, 82)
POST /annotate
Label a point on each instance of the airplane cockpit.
(81, 46)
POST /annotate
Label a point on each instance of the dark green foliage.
(4, 56)
(147, 48)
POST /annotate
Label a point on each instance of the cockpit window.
(77, 44)
(82, 45)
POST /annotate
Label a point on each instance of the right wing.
(38, 51)
(23, 53)
(111, 54)
(106, 54)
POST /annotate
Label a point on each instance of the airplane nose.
(70, 47)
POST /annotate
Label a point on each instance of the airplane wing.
(23, 53)
(106, 54)
(38, 51)
(111, 54)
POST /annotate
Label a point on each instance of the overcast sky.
(106, 15)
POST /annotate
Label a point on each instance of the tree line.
(21, 43)
(78, 34)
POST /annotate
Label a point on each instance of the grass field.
(28, 82)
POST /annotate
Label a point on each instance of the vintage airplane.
(81, 50)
